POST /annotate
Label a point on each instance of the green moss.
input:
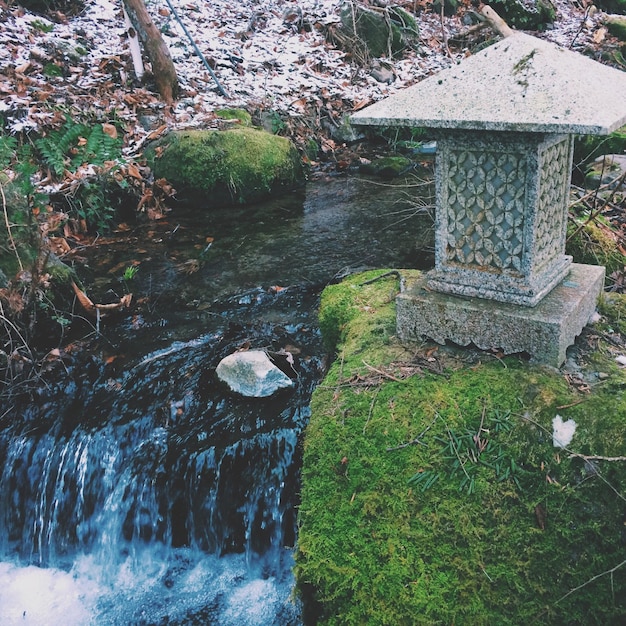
(24, 233)
(51, 69)
(387, 166)
(613, 308)
(235, 114)
(383, 33)
(595, 243)
(374, 548)
(240, 165)
(616, 26)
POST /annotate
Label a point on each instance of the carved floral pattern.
(486, 196)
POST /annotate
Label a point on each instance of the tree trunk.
(162, 65)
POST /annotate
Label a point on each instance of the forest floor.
(276, 58)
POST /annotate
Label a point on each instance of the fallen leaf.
(110, 130)
(540, 514)
(600, 35)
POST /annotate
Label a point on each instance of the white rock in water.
(251, 373)
(562, 432)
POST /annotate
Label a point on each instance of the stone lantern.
(504, 120)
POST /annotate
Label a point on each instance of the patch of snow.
(562, 432)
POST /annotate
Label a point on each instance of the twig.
(369, 414)
(443, 33)
(592, 579)
(385, 275)
(596, 457)
(582, 25)
(198, 52)
(570, 405)
(382, 373)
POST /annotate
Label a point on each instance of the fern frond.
(8, 146)
(52, 154)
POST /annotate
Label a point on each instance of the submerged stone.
(387, 167)
(252, 373)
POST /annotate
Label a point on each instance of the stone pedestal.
(544, 331)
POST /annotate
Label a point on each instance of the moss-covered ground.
(432, 492)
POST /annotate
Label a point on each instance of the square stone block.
(544, 331)
(501, 214)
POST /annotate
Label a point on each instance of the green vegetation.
(239, 165)
(76, 144)
(511, 531)
(529, 15)
(239, 115)
(62, 150)
(19, 235)
(595, 242)
(41, 26)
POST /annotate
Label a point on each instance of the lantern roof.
(521, 83)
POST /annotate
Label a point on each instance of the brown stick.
(496, 22)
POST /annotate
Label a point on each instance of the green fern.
(52, 155)
(8, 146)
(76, 144)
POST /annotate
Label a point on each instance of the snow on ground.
(261, 58)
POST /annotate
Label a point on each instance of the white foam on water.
(253, 604)
(33, 596)
(151, 591)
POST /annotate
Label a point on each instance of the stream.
(135, 488)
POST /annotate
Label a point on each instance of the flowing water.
(134, 487)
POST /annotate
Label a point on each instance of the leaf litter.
(275, 56)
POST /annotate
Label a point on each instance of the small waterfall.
(149, 494)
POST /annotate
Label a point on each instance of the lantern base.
(544, 331)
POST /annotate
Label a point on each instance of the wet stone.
(252, 373)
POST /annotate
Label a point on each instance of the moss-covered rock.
(616, 25)
(217, 168)
(432, 492)
(387, 167)
(605, 170)
(383, 31)
(235, 115)
(612, 6)
(595, 242)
